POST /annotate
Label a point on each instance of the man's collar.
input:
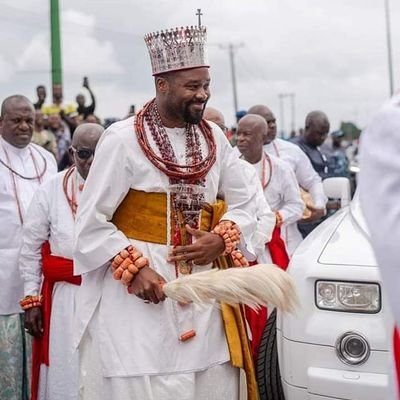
(13, 149)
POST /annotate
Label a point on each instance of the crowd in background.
(56, 122)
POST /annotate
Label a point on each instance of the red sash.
(396, 353)
(257, 320)
(54, 269)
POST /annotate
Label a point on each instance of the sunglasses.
(83, 154)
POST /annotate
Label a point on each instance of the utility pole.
(232, 47)
(281, 115)
(293, 109)
(56, 67)
(389, 46)
(292, 97)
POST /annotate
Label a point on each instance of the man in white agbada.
(306, 176)
(51, 217)
(135, 344)
(23, 167)
(380, 200)
(265, 217)
(279, 184)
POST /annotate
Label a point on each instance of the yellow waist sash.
(143, 216)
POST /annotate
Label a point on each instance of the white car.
(337, 345)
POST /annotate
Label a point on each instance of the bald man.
(282, 193)
(216, 116)
(306, 176)
(315, 132)
(23, 167)
(51, 218)
(279, 184)
(265, 217)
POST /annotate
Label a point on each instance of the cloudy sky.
(331, 54)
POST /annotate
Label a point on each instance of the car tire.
(267, 365)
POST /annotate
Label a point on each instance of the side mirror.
(338, 188)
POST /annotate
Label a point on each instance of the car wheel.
(267, 366)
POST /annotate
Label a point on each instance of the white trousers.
(220, 382)
(60, 380)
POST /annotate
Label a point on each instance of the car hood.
(349, 244)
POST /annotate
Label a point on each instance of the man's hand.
(207, 247)
(333, 205)
(33, 321)
(316, 214)
(147, 285)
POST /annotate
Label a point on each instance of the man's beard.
(193, 117)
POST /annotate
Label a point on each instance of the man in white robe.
(282, 193)
(23, 167)
(280, 187)
(131, 347)
(51, 217)
(306, 176)
(380, 200)
(264, 215)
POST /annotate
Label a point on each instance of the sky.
(330, 55)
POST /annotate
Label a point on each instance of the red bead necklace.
(197, 167)
(193, 171)
(266, 159)
(68, 181)
(276, 149)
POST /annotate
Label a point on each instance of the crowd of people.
(85, 255)
(56, 122)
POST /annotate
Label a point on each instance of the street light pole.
(389, 46)
(233, 74)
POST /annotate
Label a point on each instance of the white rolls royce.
(337, 345)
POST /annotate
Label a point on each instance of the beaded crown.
(179, 48)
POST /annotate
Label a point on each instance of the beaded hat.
(177, 49)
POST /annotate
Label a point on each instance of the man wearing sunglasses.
(47, 254)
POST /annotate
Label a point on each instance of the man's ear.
(162, 84)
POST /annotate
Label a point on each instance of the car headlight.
(348, 296)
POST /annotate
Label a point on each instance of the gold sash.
(143, 216)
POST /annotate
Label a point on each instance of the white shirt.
(137, 338)
(306, 176)
(10, 228)
(266, 219)
(379, 185)
(282, 194)
(50, 218)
